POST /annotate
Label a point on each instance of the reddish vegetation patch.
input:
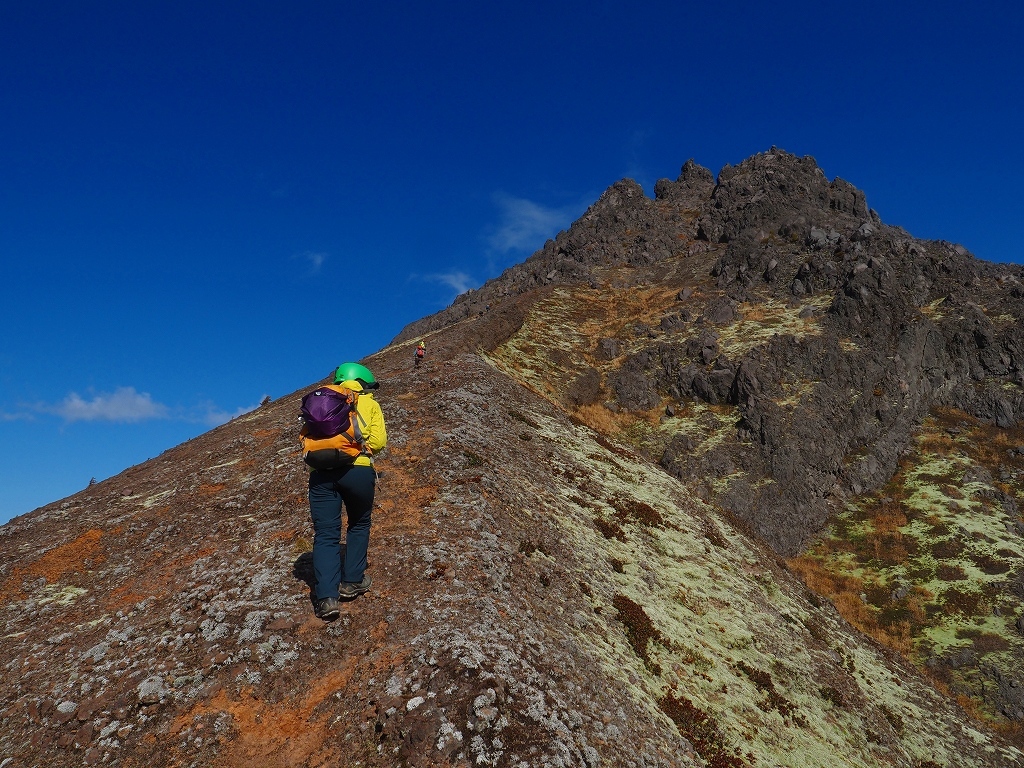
(612, 447)
(987, 642)
(209, 490)
(950, 572)
(400, 501)
(773, 699)
(952, 491)
(991, 565)
(610, 529)
(627, 509)
(162, 575)
(298, 733)
(701, 730)
(266, 437)
(640, 630)
(67, 558)
(950, 548)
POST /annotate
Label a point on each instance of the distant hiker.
(337, 478)
(421, 352)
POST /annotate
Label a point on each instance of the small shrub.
(946, 549)
(529, 547)
(701, 730)
(773, 699)
(610, 529)
(992, 566)
(694, 658)
(640, 630)
(948, 572)
(521, 418)
(894, 719)
(831, 695)
(989, 642)
(627, 509)
(472, 459)
(961, 601)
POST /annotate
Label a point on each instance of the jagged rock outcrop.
(901, 326)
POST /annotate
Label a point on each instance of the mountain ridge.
(862, 283)
(563, 571)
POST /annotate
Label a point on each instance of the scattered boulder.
(151, 691)
(585, 388)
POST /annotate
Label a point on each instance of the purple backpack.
(327, 412)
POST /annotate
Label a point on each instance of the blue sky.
(191, 192)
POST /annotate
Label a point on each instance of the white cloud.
(123, 404)
(315, 259)
(525, 225)
(212, 416)
(460, 282)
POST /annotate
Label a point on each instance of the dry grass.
(600, 419)
(755, 313)
(845, 593)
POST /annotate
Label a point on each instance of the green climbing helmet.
(355, 372)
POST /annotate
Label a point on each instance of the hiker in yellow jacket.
(353, 486)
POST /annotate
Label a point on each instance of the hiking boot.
(327, 609)
(349, 589)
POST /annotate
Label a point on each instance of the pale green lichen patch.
(687, 620)
(708, 426)
(549, 331)
(759, 323)
(58, 595)
(933, 551)
(149, 502)
(795, 392)
(560, 332)
(225, 463)
(745, 667)
(721, 483)
(932, 311)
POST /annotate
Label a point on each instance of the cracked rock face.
(576, 537)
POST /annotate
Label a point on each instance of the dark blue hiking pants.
(328, 490)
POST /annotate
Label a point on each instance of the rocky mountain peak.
(781, 190)
(695, 183)
(729, 477)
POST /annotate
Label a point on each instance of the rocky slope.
(830, 333)
(770, 342)
(576, 546)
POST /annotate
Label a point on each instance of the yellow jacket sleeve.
(375, 432)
